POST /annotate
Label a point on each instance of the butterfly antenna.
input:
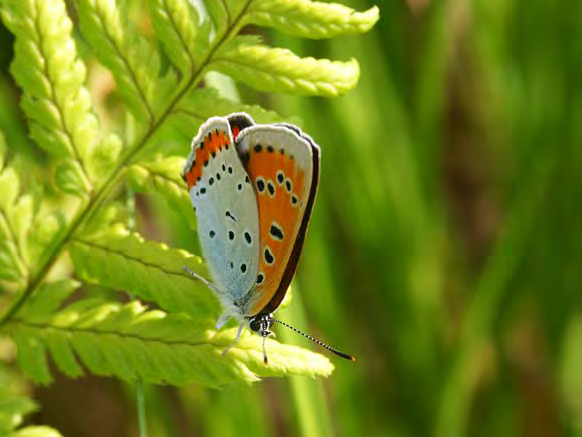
(201, 278)
(315, 340)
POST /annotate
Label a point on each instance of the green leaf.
(12, 411)
(130, 57)
(227, 15)
(36, 431)
(16, 215)
(31, 353)
(219, 14)
(310, 19)
(130, 342)
(163, 176)
(49, 298)
(43, 235)
(280, 70)
(118, 259)
(69, 176)
(204, 103)
(178, 26)
(105, 156)
(46, 67)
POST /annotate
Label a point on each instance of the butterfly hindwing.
(283, 165)
(226, 209)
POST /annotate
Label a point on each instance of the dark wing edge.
(298, 246)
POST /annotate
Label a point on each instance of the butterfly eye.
(255, 324)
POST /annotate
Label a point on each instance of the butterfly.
(253, 187)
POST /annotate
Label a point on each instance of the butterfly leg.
(237, 338)
(222, 319)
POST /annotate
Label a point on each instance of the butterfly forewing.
(283, 166)
(226, 209)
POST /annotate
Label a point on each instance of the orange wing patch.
(213, 143)
(279, 187)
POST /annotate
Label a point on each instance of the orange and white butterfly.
(253, 188)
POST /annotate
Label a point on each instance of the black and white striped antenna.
(315, 340)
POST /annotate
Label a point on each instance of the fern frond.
(184, 35)
(280, 70)
(12, 411)
(130, 57)
(36, 431)
(25, 233)
(283, 358)
(118, 259)
(105, 156)
(130, 342)
(16, 216)
(50, 297)
(162, 176)
(204, 103)
(310, 19)
(12, 264)
(219, 14)
(56, 102)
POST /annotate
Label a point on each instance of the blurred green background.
(445, 246)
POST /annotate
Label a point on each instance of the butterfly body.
(253, 188)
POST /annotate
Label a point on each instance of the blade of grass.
(455, 406)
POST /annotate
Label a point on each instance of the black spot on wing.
(269, 258)
(276, 232)
(248, 238)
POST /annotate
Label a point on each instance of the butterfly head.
(261, 324)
